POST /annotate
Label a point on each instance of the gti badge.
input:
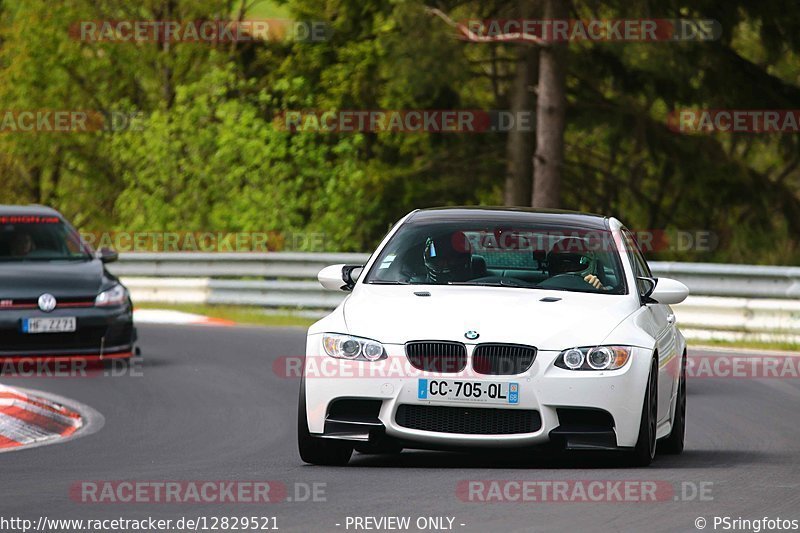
(47, 302)
(472, 335)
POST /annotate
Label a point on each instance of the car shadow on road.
(548, 460)
(699, 458)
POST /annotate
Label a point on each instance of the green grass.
(267, 9)
(785, 346)
(255, 316)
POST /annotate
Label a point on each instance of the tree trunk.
(550, 108)
(520, 143)
(167, 82)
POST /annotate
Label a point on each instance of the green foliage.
(211, 153)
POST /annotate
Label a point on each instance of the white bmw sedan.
(496, 328)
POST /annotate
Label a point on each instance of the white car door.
(662, 320)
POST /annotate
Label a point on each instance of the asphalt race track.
(208, 406)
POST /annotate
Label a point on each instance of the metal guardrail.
(706, 279)
(747, 281)
(289, 265)
(728, 301)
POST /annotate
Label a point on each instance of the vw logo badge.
(47, 302)
(472, 335)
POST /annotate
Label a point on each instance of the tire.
(645, 450)
(674, 443)
(315, 450)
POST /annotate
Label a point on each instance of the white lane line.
(167, 316)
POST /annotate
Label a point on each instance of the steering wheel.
(570, 280)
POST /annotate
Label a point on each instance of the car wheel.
(673, 444)
(645, 450)
(315, 450)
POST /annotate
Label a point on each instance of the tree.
(520, 144)
(550, 116)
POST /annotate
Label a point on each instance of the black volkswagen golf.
(57, 300)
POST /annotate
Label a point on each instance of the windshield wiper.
(501, 283)
(387, 282)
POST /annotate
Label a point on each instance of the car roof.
(28, 210)
(521, 215)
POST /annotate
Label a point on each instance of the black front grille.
(502, 359)
(15, 340)
(437, 356)
(33, 303)
(468, 420)
(86, 338)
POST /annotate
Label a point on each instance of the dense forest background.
(208, 155)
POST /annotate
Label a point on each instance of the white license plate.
(491, 392)
(49, 325)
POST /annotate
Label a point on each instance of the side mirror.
(107, 255)
(646, 286)
(666, 291)
(340, 277)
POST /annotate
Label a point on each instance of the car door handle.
(671, 318)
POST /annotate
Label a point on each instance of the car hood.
(395, 315)
(64, 279)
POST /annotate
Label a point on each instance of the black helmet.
(448, 258)
(571, 255)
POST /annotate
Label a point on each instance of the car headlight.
(594, 358)
(116, 295)
(353, 348)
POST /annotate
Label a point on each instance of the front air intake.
(468, 420)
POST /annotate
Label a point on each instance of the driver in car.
(573, 256)
(447, 259)
(21, 244)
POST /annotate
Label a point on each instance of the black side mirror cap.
(107, 255)
(350, 274)
(651, 286)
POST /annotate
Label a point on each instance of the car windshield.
(496, 254)
(39, 238)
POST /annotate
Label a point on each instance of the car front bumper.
(552, 393)
(102, 333)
